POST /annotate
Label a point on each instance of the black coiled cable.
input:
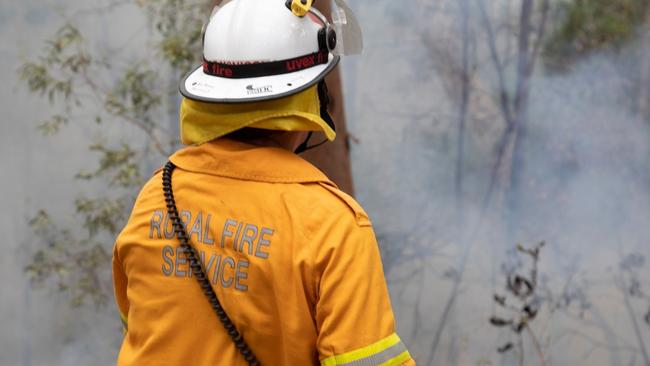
(197, 268)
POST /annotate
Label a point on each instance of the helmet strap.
(323, 96)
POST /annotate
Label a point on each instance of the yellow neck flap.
(202, 122)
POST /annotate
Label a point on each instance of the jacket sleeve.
(119, 286)
(353, 312)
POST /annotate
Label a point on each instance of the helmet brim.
(202, 87)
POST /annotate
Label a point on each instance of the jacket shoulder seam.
(360, 215)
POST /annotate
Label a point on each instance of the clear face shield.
(349, 36)
(348, 30)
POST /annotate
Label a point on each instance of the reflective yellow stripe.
(388, 351)
(400, 359)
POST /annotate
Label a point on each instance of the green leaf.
(590, 25)
(53, 125)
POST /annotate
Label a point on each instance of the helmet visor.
(348, 30)
(349, 37)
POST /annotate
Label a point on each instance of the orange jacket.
(293, 260)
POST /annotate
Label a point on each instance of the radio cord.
(197, 269)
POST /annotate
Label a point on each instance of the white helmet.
(256, 50)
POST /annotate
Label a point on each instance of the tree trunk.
(334, 158)
(524, 70)
(644, 72)
(462, 113)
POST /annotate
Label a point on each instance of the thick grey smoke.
(586, 193)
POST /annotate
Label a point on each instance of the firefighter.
(239, 251)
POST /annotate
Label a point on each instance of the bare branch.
(597, 343)
(498, 64)
(620, 281)
(158, 145)
(541, 31)
(523, 57)
(537, 345)
(464, 107)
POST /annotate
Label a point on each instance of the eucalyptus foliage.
(590, 25)
(73, 79)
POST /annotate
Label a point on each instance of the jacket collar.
(233, 159)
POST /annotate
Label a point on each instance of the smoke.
(38, 326)
(586, 191)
